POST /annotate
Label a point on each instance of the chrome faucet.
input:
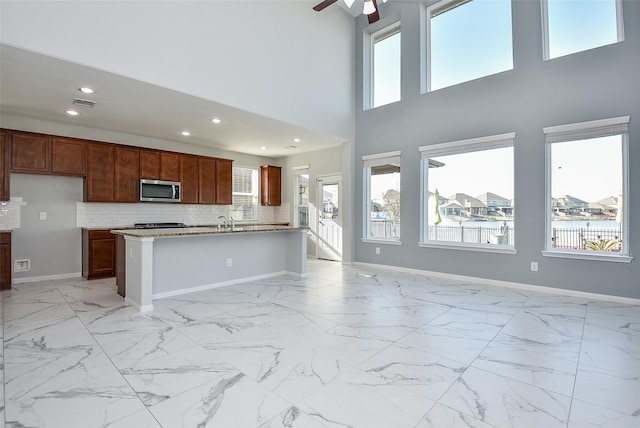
(224, 219)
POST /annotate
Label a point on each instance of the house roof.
(467, 201)
(488, 196)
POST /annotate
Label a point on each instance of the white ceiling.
(42, 87)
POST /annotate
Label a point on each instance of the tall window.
(386, 66)
(382, 197)
(575, 26)
(587, 190)
(466, 40)
(301, 197)
(468, 193)
(245, 193)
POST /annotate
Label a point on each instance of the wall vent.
(83, 103)
(23, 265)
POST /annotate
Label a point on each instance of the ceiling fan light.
(369, 8)
(349, 3)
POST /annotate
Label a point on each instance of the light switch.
(43, 215)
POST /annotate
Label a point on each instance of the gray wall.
(53, 245)
(595, 84)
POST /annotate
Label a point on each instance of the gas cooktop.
(159, 225)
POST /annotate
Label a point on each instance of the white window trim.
(371, 161)
(254, 194)
(586, 130)
(545, 28)
(456, 147)
(383, 33)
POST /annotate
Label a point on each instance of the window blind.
(586, 130)
(470, 145)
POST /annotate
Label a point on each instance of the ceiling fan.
(370, 8)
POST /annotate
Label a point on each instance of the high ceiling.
(41, 87)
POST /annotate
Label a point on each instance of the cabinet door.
(4, 166)
(5, 261)
(189, 179)
(30, 153)
(100, 183)
(169, 166)
(68, 156)
(206, 180)
(270, 185)
(224, 182)
(150, 164)
(127, 174)
(102, 254)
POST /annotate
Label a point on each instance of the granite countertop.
(203, 230)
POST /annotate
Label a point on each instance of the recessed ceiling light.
(86, 90)
(72, 112)
(216, 120)
(296, 140)
(263, 148)
(186, 133)
(291, 147)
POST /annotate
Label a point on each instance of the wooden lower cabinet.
(5, 261)
(121, 265)
(98, 254)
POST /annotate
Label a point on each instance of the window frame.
(450, 148)
(297, 172)
(374, 37)
(368, 162)
(255, 178)
(582, 131)
(545, 30)
(427, 12)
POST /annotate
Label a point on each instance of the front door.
(329, 242)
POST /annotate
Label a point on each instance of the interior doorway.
(329, 227)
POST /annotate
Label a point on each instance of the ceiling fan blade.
(375, 16)
(323, 4)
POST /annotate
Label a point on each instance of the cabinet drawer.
(101, 234)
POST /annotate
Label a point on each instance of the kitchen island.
(167, 262)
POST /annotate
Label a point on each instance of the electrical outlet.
(534, 266)
(43, 215)
(229, 262)
(377, 250)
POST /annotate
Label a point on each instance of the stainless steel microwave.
(159, 191)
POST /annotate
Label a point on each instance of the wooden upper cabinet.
(189, 179)
(100, 184)
(127, 174)
(270, 185)
(206, 180)
(224, 181)
(150, 164)
(169, 166)
(68, 156)
(30, 153)
(4, 166)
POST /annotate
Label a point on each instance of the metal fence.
(384, 229)
(476, 234)
(576, 239)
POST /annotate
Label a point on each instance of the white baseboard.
(509, 284)
(219, 284)
(46, 277)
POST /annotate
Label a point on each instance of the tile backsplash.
(10, 213)
(110, 215)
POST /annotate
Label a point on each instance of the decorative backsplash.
(110, 215)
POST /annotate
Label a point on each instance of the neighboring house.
(452, 208)
(568, 205)
(593, 208)
(609, 205)
(471, 205)
(497, 203)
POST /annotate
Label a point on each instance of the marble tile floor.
(349, 346)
